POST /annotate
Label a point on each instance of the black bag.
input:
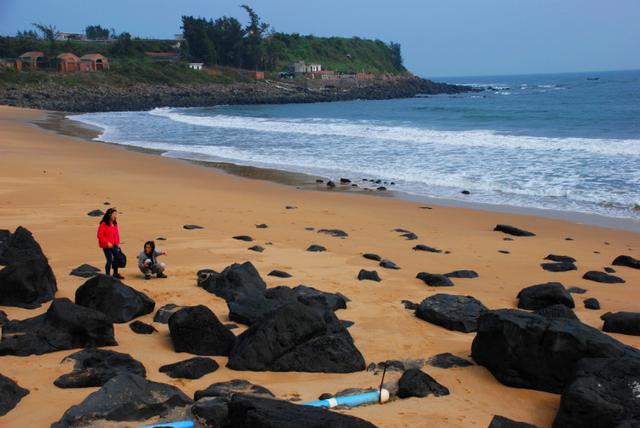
(119, 258)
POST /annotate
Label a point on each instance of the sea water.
(565, 142)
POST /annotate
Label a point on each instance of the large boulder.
(526, 350)
(447, 360)
(10, 394)
(27, 280)
(502, 422)
(95, 367)
(65, 325)
(234, 280)
(126, 397)
(295, 337)
(622, 322)
(85, 271)
(605, 278)
(457, 313)
(416, 383)
(228, 389)
(542, 295)
(197, 330)
(247, 411)
(119, 302)
(605, 392)
(626, 261)
(434, 280)
(27, 283)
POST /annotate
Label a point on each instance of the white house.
(196, 65)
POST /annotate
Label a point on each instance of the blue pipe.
(352, 400)
(179, 424)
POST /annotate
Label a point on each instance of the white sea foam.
(371, 130)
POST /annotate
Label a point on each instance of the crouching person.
(148, 261)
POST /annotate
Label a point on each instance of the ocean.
(562, 142)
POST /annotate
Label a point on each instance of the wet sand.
(49, 182)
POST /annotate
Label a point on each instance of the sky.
(438, 38)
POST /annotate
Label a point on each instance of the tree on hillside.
(122, 45)
(49, 32)
(27, 34)
(253, 52)
(228, 36)
(396, 55)
(96, 32)
(200, 47)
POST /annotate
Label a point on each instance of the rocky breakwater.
(111, 97)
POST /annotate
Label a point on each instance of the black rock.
(228, 389)
(192, 227)
(561, 259)
(245, 238)
(211, 412)
(347, 323)
(416, 383)
(542, 295)
(558, 267)
(502, 422)
(319, 181)
(279, 274)
(331, 184)
(470, 274)
(381, 188)
(568, 238)
(161, 238)
(626, 261)
(18, 246)
(592, 303)
(261, 226)
(64, 326)
(252, 411)
(316, 248)
(257, 248)
(371, 256)
(558, 311)
(95, 213)
(142, 328)
(27, 283)
(10, 394)
(465, 192)
(119, 302)
(510, 230)
(234, 280)
(336, 233)
(394, 366)
(507, 239)
(622, 322)
(427, 248)
(410, 236)
(447, 361)
(409, 305)
(95, 367)
(290, 207)
(603, 393)
(457, 313)
(608, 269)
(525, 350)
(164, 313)
(370, 275)
(605, 278)
(388, 264)
(434, 280)
(345, 181)
(576, 290)
(193, 368)
(295, 337)
(85, 271)
(504, 251)
(126, 397)
(195, 329)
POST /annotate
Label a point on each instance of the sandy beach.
(49, 182)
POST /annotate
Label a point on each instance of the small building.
(324, 75)
(94, 62)
(10, 64)
(68, 63)
(258, 75)
(70, 36)
(196, 65)
(32, 60)
(364, 76)
(299, 67)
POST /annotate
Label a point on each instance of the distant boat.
(593, 78)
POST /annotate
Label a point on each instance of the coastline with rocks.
(278, 296)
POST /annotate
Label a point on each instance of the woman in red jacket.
(109, 240)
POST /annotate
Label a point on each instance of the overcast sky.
(438, 38)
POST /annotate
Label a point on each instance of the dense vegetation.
(225, 45)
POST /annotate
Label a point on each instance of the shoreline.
(60, 123)
(49, 182)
